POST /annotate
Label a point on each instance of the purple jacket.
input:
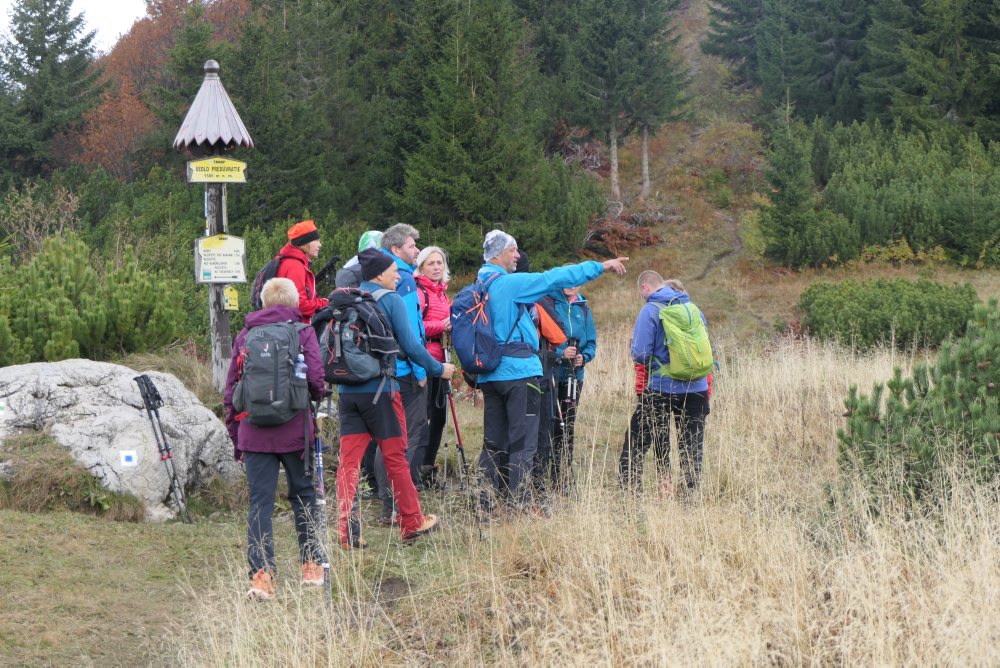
(288, 437)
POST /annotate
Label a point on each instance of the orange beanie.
(302, 233)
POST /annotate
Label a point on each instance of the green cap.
(370, 239)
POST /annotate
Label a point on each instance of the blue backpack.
(472, 330)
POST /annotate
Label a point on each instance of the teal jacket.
(407, 289)
(578, 324)
(507, 292)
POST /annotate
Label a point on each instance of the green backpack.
(687, 342)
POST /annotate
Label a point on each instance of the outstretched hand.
(617, 265)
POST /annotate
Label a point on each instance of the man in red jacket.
(302, 248)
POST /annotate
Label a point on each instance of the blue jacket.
(649, 344)
(578, 323)
(509, 290)
(407, 289)
(395, 310)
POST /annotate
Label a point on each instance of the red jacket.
(297, 270)
(432, 298)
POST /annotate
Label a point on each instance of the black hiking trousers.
(510, 439)
(262, 477)
(650, 427)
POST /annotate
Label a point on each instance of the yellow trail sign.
(216, 170)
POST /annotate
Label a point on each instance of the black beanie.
(522, 263)
(373, 262)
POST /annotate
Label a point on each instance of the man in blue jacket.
(367, 413)
(510, 394)
(665, 399)
(581, 345)
(399, 242)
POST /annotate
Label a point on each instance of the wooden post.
(213, 127)
(218, 318)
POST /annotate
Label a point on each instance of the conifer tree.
(732, 33)
(608, 70)
(787, 57)
(946, 412)
(46, 66)
(659, 91)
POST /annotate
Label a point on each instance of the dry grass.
(46, 478)
(763, 568)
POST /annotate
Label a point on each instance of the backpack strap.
(521, 308)
(427, 301)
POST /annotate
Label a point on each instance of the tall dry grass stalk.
(763, 567)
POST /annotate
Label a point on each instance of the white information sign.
(220, 259)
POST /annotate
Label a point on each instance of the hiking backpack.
(269, 271)
(686, 338)
(268, 392)
(472, 330)
(355, 338)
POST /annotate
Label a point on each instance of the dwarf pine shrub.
(58, 307)
(945, 411)
(866, 313)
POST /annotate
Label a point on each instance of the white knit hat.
(497, 241)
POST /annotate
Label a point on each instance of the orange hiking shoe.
(312, 574)
(261, 586)
(431, 523)
(357, 543)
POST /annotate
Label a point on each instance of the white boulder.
(95, 410)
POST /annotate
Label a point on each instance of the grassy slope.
(84, 590)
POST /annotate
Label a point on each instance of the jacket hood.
(288, 250)
(560, 296)
(400, 262)
(666, 294)
(273, 314)
(430, 285)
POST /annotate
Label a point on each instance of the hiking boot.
(431, 523)
(261, 586)
(388, 520)
(312, 574)
(354, 543)
(369, 494)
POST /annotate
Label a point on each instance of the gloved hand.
(641, 377)
(237, 454)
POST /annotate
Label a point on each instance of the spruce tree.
(951, 72)
(894, 24)
(659, 91)
(46, 64)
(608, 70)
(732, 33)
(787, 58)
(837, 29)
(474, 138)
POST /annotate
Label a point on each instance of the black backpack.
(269, 271)
(355, 338)
(268, 391)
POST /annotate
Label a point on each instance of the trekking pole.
(320, 502)
(153, 401)
(571, 378)
(462, 466)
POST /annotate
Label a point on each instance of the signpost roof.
(212, 122)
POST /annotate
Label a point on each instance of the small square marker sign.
(129, 458)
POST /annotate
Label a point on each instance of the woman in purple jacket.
(263, 449)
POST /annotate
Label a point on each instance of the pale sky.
(110, 18)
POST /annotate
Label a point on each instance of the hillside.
(781, 560)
